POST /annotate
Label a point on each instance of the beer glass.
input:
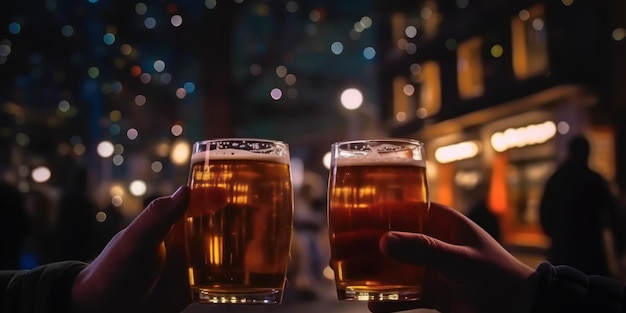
(375, 186)
(239, 221)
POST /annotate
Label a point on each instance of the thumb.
(420, 249)
(152, 225)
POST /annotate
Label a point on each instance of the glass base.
(208, 296)
(355, 294)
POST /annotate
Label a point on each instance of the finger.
(421, 249)
(451, 226)
(156, 220)
(175, 239)
(172, 293)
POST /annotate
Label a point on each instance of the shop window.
(530, 47)
(428, 79)
(470, 68)
(526, 179)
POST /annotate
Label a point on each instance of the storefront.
(509, 151)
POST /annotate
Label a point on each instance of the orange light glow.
(445, 190)
(135, 71)
(498, 195)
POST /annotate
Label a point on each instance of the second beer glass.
(375, 186)
(239, 221)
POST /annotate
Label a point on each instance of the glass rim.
(233, 139)
(374, 140)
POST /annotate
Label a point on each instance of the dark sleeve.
(44, 289)
(565, 289)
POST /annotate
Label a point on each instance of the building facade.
(496, 89)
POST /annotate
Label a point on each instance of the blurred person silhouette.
(576, 208)
(466, 271)
(40, 246)
(14, 225)
(480, 212)
(76, 221)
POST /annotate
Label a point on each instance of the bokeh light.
(41, 174)
(351, 98)
(105, 149)
(180, 152)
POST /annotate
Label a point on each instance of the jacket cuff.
(47, 288)
(565, 289)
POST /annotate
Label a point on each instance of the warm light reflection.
(523, 136)
(456, 152)
(467, 179)
(190, 274)
(214, 248)
(346, 195)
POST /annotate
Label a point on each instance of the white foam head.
(234, 154)
(370, 160)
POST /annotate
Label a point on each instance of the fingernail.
(393, 240)
(390, 243)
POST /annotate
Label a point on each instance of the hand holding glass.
(239, 221)
(375, 186)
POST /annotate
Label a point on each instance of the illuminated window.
(402, 103)
(470, 68)
(398, 24)
(429, 79)
(431, 18)
(406, 28)
(530, 47)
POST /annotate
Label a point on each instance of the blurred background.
(100, 102)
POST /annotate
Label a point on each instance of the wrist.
(62, 287)
(527, 294)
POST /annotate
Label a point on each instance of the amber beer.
(238, 225)
(370, 194)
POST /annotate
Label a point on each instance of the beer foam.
(234, 154)
(377, 160)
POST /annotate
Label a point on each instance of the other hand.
(466, 269)
(135, 272)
